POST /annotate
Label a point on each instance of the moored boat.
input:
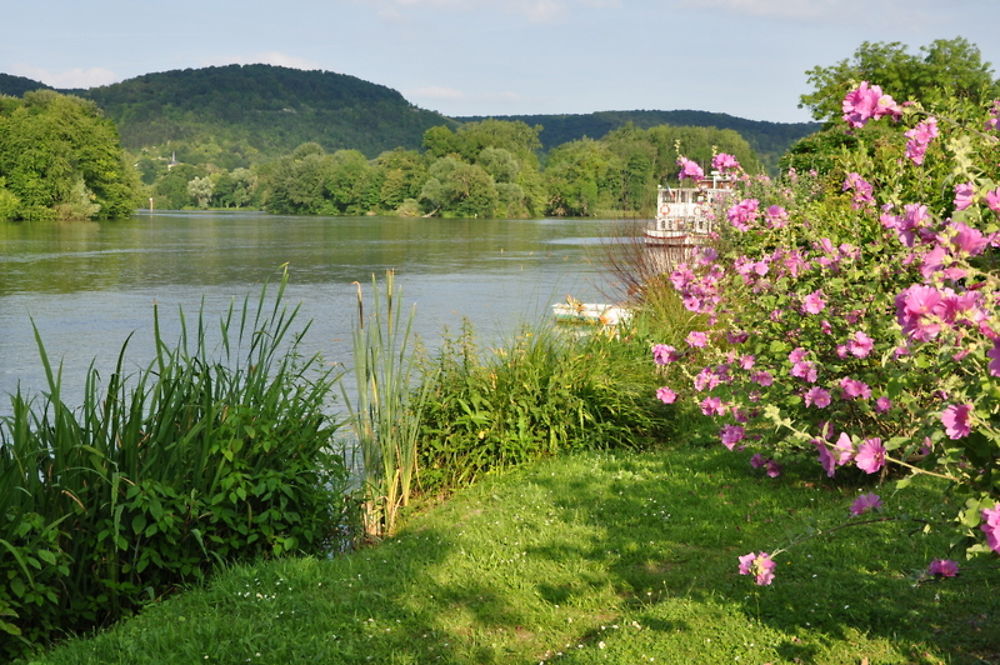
(685, 216)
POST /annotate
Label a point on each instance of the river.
(87, 285)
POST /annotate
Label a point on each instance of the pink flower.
(776, 216)
(666, 395)
(724, 162)
(943, 567)
(758, 461)
(844, 448)
(964, 239)
(994, 355)
(664, 354)
(853, 389)
(731, 435)
(964, 195)
(689, 169)
(826, 460)
(955, 419)
(862, 191)
(697, 339)
(817, 397)
(870, 456)
(883, 404)
(860, 344)
(991, 527)
(747, 362)
(866, 103)
(743, 214)
(772, 468)
(993, 200)
(758, 564)
(762, 378)
(813, 303)
(805, 370)
(712, 406)
(796, 355)
(920, 137)
(864, 503)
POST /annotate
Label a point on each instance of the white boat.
(573, 311)
(685, 216)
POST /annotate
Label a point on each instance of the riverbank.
(592, 558)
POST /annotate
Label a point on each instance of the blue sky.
(496, 57)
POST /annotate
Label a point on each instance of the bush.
(161, 475)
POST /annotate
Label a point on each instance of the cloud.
(535, 11)
(266, 58)
(436, 92)
(812, 10)
(77, 77)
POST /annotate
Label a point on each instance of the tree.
(201, 189)
(59, 151)
(945, 68)
(457, 189)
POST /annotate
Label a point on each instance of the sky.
(747, 58)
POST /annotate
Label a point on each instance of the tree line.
(488, 168)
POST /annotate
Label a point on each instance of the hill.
(271, 110)
(16, 86)
(769, 140)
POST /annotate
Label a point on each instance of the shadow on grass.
(676, 523)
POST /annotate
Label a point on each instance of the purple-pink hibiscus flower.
(817, 397)
(664, 354)
(813, 303)
(943, 567)
(870, 456)
(991, 527)
(689, 169)
(758, 564)
(666, 395)
(866, 502)
(955, 419)
(731, 435)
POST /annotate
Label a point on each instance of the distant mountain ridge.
(266, 110)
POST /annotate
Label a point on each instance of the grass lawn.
(593, 558)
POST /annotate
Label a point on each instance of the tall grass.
(162, 473)
(544, 391)
(385, 414)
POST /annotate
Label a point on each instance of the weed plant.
(543, 392)
(162, 474)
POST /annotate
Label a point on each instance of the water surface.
(87, 286)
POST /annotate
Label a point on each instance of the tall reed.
(385, 413)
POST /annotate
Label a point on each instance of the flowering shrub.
(855, 321)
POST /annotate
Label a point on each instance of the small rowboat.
(590, 313)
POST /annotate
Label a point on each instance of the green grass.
(591, 558)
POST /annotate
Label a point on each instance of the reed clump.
(206, 455)
(386, 410)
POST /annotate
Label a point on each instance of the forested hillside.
(263, 108)
(769, 140)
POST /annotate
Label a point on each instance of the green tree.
(201, 190)
(945, 68)
(576, 174)
(403, 173)
(457, 189)
(60, 155)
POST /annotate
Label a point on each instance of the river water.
(87, 286)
